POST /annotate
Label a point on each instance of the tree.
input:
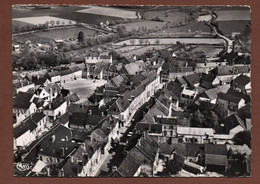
(174, 166)
(81, 37)
(243, 137)
(157, 41)
(58, 22)
(197, 119)
(52, 23)
(132, 41)
(212, 120)
(141, 41)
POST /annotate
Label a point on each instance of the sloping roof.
(150, 127)
(232, 121)
(216, 149)
(132, 68)
(238, 94)
(65, 72)
(52, 88)
(52, 74)
(38, 116)
(24, 127)
(102, 56)
(63, 119)
(242, 80)
(22, 83)
(78, 118)
(192, 79)
(22, 100)
(228, 97)
(40, 80)
(230, 70)
(72, 98)
(55, 104)
(129, 166)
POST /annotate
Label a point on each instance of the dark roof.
(229, 98)
(242, 80)
(38, 116)
(20, 84)
(78, 118)
(40, 80)
(232, 121)
(216, 149)
(24, 127)
(72, 98)
(238, 94)
(52, 74)
(192, 79)
(129, 166)
(229, 70)
(63, 119)
(65, 72)
(55, 104)
(104, 57)
(22, 100)
(150, 127)
(170, 121)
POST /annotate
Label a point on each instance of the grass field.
(109, 11)
(144, 49)
(174, 16)
(229, 15)
(62, 33)
(83, 87)
(169, 41)
(192, 27)
(210, 51)
(227, 27)
(147, 24)
(69, 13)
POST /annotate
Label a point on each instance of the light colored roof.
(39, 166)
(132, 68)
(195, 131)
(188, 92)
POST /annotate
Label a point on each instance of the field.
(109, 11)
(169, 41)
(69, 13)
(61, 33)
(227, 15)
(228, 27)
(174, 16)
(83, 87)
(44, 19)
(147, 24)
(192, 27)
(138, 50)
(210, 51)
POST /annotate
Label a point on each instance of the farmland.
(108, 11)
(228, 27)
(145, 24)
(61, 33)
(174, 16)
(210, 51)
(69, 13)
(192, 27)
(224, 15)
(168, 41)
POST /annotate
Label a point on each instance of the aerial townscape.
(131, 91)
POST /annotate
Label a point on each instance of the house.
(195, 135)
(53, 76)
(145, 151)
(23, 106)
(232, 125)
(16, 48)
(92, 58)
(77, 71)
(216, 156)
(24, 133)
(212, 94)
(55, 108)
(192, 80)
(242, 84)
(41, 121)
(84, 121)
(37, 80)
(105, 58)
(188, 95)
(49, 92)
(66, 76)
(22, 86)
(230, 102)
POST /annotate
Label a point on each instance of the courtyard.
(83, 87)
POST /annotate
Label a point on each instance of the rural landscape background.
(131, 91)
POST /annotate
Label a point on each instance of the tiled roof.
(21, 84)
(238, 94)
(22, 100)
(129, 166)
(194, 131)
(192, 79)
(232, 121)
(38, 116)
(229, 98)
(72, 98)
(65, 72)
(242, 80)
(150, 127)
(52, 74)
(24, 127)
(55, 104)
(105, 56)
(230, 70)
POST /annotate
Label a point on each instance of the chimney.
(71, 158)
(139, 141)
(62, 152)
(52, 138)
(49, 105)
(114, 168)
(38, 76)
(83, 146)
(48, 171)
(67, 139)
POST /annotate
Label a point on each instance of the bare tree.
(132, 41)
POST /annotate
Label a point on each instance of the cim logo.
(22, 166)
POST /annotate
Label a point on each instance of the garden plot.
(44, 19)
(108, 11)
